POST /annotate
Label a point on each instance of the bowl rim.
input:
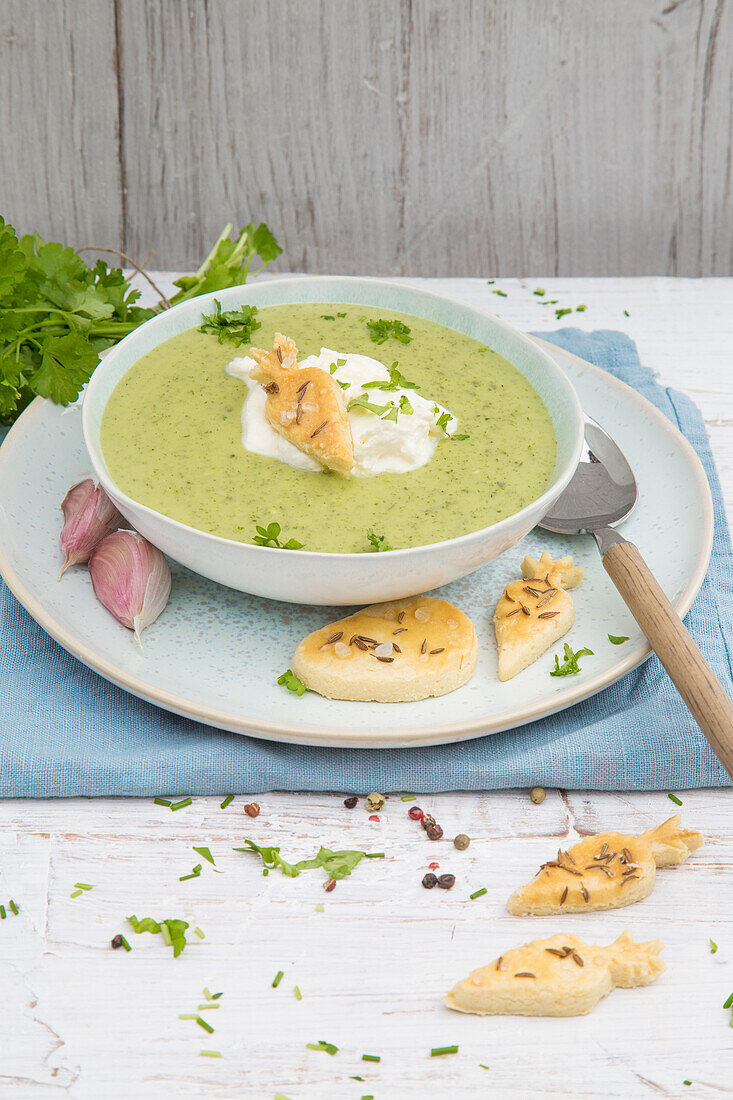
(238, 293)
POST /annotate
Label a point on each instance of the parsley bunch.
(57, 314)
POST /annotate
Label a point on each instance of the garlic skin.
(131, 578)
(89, 516)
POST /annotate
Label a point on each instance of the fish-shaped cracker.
(305, 405)
(392, 652)
(559, 976)
(532, 613)
(605, 871)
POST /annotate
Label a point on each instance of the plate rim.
(413, 737)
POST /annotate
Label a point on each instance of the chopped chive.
(562, 312)
(162, 802)
(581, 308)
(206, 853)
(184, 878)
(713, 947)
(687, 1082)
(181, 804)
(328, 1048)
(201, 1007)
(626, 313)
(371, 1058)
(76, 894)
(166, 934)
(125, 944)
(199, 933)
(409, 797)
(320, 909)
(215, 996)
(478, 893)
(443, 1050)
(2, 912)
(223, 805)
(539, 291)
(188, 1016)
(729, 1002)
(675, 799)
(13, 906)
(298, 994)
(204, 1024)
(277, 979)
(369, 1097)
(355, 1077)
(207, 995)
(374, 855)
(83, 886)
(210, 1053)
(502, 293)
(482, 1066)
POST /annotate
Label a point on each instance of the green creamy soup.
(171, 437)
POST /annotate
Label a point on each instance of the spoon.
(600, 495)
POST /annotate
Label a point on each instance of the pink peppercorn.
(415, 813)
(373, 817)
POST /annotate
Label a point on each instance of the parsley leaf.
(405, 406)
(363, 402)
(713, 947)
(381, 330)
(378, 542)
(570, 665)
(292, 683)
(269, 536)
(235, 325)
(561, 312)
(174, 934)
(397, 380)
(57, 314)
(617, 639)
(443, 421)
(337, 865)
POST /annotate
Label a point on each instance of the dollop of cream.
(380, 446)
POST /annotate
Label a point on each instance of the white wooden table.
(81, 1020)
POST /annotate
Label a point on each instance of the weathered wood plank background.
(381, 136)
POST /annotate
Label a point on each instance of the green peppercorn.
(537, 794)
(374, 802)
(461, 842)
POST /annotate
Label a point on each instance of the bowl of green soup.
(464, 433)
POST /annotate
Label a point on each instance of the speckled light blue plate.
(215, 654)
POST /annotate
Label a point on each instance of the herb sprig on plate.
(570, 665)
(378, 542)
(337, 865)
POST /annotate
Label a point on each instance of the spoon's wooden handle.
(711, 708)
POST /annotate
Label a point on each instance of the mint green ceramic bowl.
(319, 578)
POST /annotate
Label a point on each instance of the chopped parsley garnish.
(405, 406)
(391, 414)
(328, 1048)
(561, 312)
(617, 639)
(540, 291)
(713, 947)
(343, 385)
(269, 536)
(673, 797)
(581, 308)
(234, 325)
(172, 931)
(330, 316)
(381, 330)
(501, 293)
(379, 542)
(336, 864)
(363, 402)
(461, 436)
(570, 664)
(442, 420)
(397, 380)
(292, 683)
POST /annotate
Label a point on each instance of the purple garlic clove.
(131, 578)
(89, 516)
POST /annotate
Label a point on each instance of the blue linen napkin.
(65, 731)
